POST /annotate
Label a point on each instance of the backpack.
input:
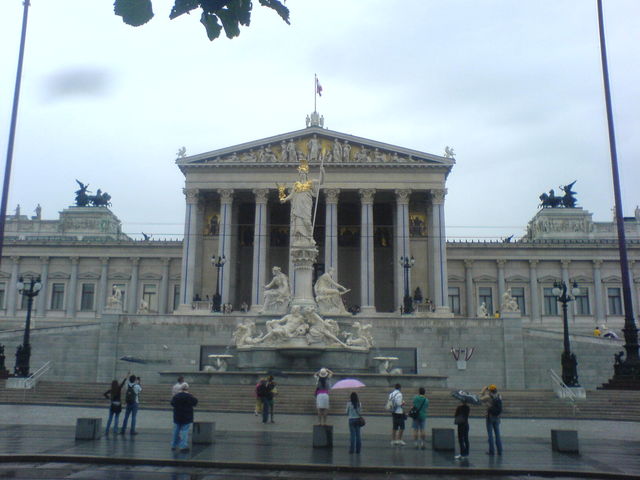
(130, 396)
(391, 403)
(496, 407)
(262, 390)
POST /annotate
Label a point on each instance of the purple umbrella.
(348, 383)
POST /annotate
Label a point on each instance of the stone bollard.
(323, 436)
(443, 439)
(88, 428)
(203, 432)
(565, 441)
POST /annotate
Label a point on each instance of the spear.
(315, 208)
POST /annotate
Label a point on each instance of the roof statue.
(448, 152)
(182, 152)
(551, 200)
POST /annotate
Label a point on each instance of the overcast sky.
(515, 87)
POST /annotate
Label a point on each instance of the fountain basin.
(302, 359)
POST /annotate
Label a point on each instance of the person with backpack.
(418, 414)
(132, 401)
(115, 404)
(492, 399)
(395, 405)
(265, 395)
(461, 420)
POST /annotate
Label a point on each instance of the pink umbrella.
(348, 383)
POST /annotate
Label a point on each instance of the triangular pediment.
(315, 145)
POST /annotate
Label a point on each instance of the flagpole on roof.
(315, 91)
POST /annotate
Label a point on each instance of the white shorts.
(322, 400)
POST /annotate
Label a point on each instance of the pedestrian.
(419, 416)
(183, 404)
(258, 408)
(272, 391)
(265, 397)
(177, 388)
(132, 400)
(354, 413)
(322, 377)
(492, 399)
(114, 395)
(395, 405)
(461, 419)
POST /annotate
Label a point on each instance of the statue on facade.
(482, 311)
(313, 148)
(277, 293)
(448, 152)
(551, 200)
(144, 306)
(290, 326)
(329, 294)
(114, 302)
(182, 152)
(509, 304)
(38, 212)
(301, 198)
(569, 199)
(362, 336)
(100, 199)
(321, 330)
(82, 199)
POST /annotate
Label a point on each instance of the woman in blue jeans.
(114, 396)
(353, 412)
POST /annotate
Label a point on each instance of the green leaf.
(212, 6)
(134, 12)
(278, 7)
(229, 22)
(242, 10)
(210, 22)
(183, 6)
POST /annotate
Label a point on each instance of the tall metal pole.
(629, 370)
(12, 128)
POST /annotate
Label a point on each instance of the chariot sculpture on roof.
(551, 200)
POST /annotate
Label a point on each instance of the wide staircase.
(294, 399)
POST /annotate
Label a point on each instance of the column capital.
(74, 260)
(565, 263)
(262, 194)
(191, 195)
(468, 263)
(402, 196)
(135, 261)
(165, 261)
(15, 259)
(533, 263)
(45, 260)
(104, 261)
(597, 264)
(501, 263)
(226, 195)
(366, 195)
(437, 196)
(331, 195)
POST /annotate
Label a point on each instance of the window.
(454, 299)
(550, 301)
(615, 302)
(518, 295)
(88, 294)
(3, 294)
(582, 302)
(149, 295)
(57, 296)
(176, 296)
(484, 296)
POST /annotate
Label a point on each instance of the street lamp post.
(568, 359)
(23, 353)
(217, 297)
(407, 263)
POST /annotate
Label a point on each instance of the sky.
(515, 87)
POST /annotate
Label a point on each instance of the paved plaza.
(43, 437)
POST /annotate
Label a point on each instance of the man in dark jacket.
(183, 404)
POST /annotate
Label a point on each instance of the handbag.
(459, 420)
(361, 422)
(415, 412)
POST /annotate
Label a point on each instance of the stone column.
(533, 290)
(439, 252)
(189, 247)
(501, 284)
(331, 231)
(260, 240)
(133, 286)
(224, 241)
(597, 292)
(634, 291)
(41, 306)
(402, 247)
(103, 287)
(367, 271)
(164, 286)
(12, 291)
(565, 279)
(468, 287)
(73, 288)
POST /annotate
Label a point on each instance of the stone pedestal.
(565, 441)
(203, 433)
(443, 439)
(323, 436)
(88, 428)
